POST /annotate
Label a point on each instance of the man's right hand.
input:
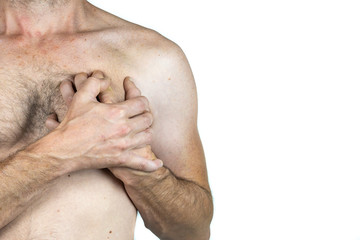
(100, 135)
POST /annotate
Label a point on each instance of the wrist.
(134, 179)
(45, 150)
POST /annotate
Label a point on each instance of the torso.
(89, 204)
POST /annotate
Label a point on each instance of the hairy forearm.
(24, 176)
(171, 207)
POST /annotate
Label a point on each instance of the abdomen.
(89, 204)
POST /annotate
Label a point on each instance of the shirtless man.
(86, 178)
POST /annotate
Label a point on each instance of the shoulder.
(158, 65)
(132, 39)
(160, 57)
(152, 58)
(161, 67)
(162, 72)
(147, 46)
(135, 43)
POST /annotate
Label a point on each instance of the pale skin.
(171, 192)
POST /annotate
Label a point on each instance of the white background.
(279, 95)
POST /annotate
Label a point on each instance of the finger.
(131, 91)
(105, 84)
(140, 122)
(139, 163)
(52, 122)
(107, 96)
(98, 74)
(67, 91)
(135, 106)
(79, 80)
(145, 152)
(140, 140)
(91, 87)
(104, 96)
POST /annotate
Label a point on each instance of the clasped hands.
(98, 133)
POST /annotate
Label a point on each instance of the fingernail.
(159, 163)
(98, 74)
(80, 76)
(129, 79)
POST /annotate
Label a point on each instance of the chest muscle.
(25, 102)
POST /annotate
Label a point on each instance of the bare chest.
(30, 92)
(29, 85)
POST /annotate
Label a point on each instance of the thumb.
(131, 91)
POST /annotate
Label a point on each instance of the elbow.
(203, 226)
(198, 227)
(186, 233)
(192, 227)
(204, 223)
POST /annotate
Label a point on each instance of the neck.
(38, 18)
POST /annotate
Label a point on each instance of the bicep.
(182, 153)
(176, 140)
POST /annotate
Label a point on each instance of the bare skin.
(64, 188)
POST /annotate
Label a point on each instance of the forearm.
(172, 208)
(24, 176)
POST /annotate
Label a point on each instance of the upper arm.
(171, 90)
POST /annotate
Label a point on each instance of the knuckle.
(121, 160)
(143, 102)
(96, 110)
(121, 112)
(117, 112)
(142, 165)
(149, 131)
(148, 119)
(123, 145)
(148, 136)
(78, 97)
(93, 80)
(124, 129)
